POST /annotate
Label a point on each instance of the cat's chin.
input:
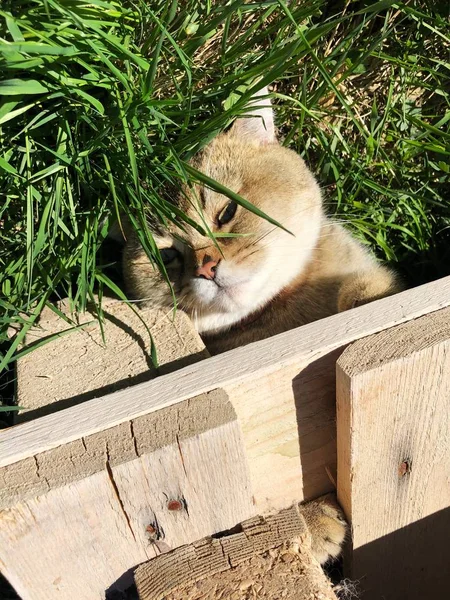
(212, 322)
(218, 307)
(210, 297)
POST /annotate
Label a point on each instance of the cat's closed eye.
(168, 255)
(227, 214)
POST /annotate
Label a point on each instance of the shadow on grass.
(418, 268)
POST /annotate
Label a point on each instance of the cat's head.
(220, 283)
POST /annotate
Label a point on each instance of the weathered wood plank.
(295, 576)
(78, 367)
(103, 511)
(298, 346)
(393, 416)
(289, 425)
(279, 387)
(282, 390)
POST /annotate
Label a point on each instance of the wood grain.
(282, 390)
(77, 538)
(98, 479)
(289, 426)
(393, 419)
(296, 347)
(161, 577)
(83, 365)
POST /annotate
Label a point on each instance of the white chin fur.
(242, 291)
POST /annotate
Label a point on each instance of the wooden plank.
(288, 420)
(298, 346)
(393, 418)
(80, 366)
(114, 501)
(295, 575)
(279, 387)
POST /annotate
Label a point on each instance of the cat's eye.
(168, 255)
(228, 213)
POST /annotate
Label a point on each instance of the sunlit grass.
(102, 104)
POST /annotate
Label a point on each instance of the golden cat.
(242, 289)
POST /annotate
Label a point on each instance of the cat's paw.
(327, 526)
(362, 288)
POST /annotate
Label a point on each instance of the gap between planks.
(302, 346)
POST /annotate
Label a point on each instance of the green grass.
(102, 103)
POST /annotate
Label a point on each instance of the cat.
(242, 289)
(245, 288)
(326, 525)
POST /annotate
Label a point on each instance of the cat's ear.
(256, 124)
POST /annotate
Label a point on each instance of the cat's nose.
(207, 271)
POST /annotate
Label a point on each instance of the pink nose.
(207, 271)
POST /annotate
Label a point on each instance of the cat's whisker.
(261, 237)
(275, 228)
(344, 221)
(254, 252)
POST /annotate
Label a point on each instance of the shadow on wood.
(122, 384)
(123, 588)
(393, 406)
(314, 392)
(84, 365)
(415, 562)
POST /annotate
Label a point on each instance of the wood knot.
(404, 468)
(154, 531)
(175, 505)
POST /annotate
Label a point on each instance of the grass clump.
(102, 103)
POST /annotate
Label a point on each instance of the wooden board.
(294, 574)
(92, 511)
(393, 416)
(289, 425)
(281, 388)
(85, 364)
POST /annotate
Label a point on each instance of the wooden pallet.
(88, 493)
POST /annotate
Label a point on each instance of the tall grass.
(102, 103)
